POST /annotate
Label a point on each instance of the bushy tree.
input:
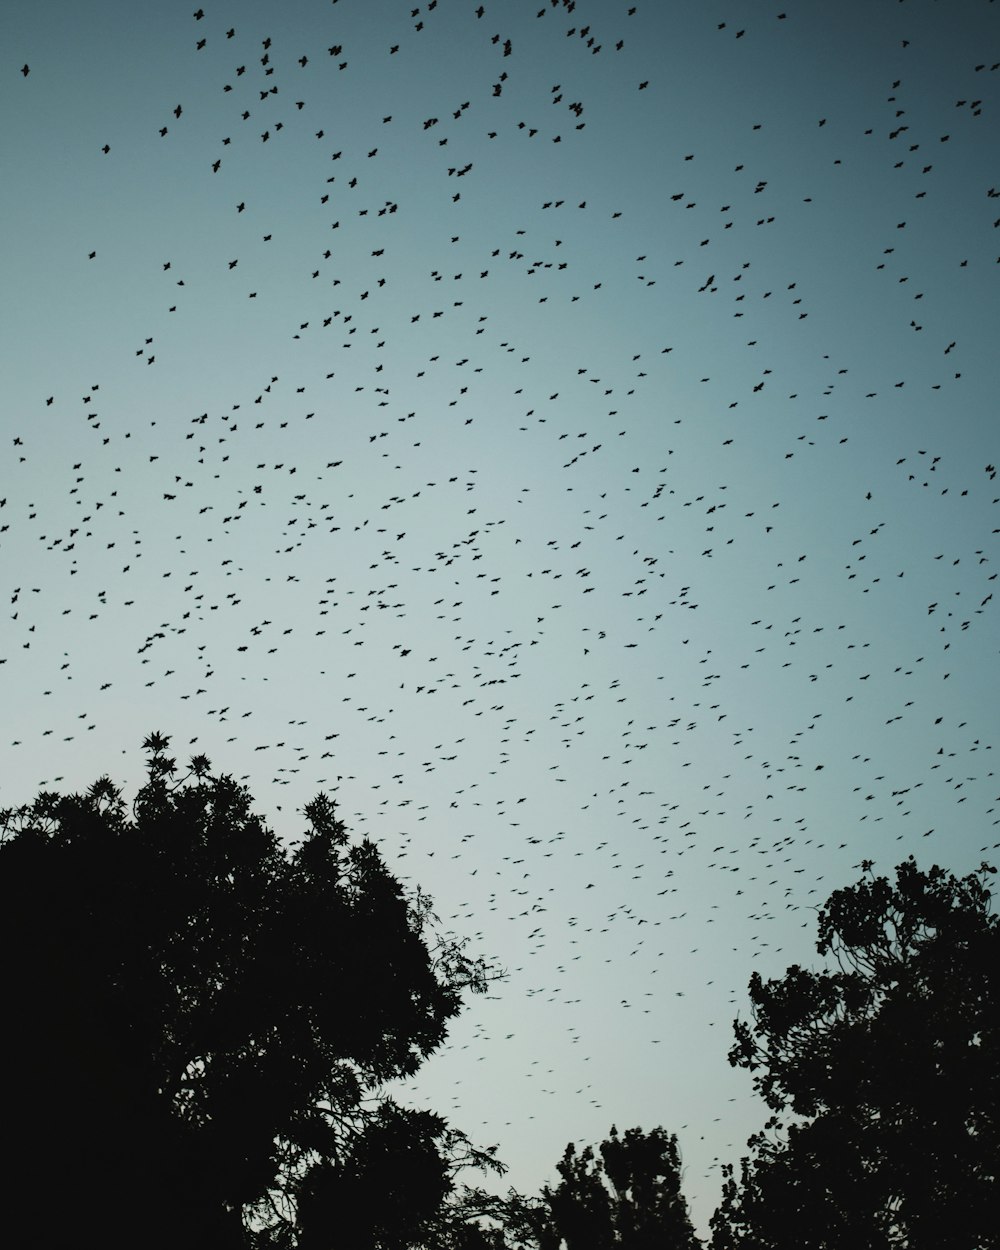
(628, 1198)
(199, 1024)
(883, 1073)
(649, 1211)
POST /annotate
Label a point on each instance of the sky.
(564, 433)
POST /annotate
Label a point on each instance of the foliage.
(883, 1073)
(630, 1197)
(200, 1023)
(626, 1198)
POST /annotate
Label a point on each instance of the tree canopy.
(626, 1195)
(200, 1023)
(628, 1198)
(883, 1074)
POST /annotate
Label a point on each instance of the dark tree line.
(199, 1025)
(625, 1195)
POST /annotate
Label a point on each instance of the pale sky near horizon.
(579, 458)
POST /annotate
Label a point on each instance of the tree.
(629, 1198)
(200, 1024)
(883, 1074)
(649, 1210)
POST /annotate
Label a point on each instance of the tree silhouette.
(883, 1074)
(627, 1197)
(199, 1024)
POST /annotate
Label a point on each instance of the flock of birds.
(577, 456)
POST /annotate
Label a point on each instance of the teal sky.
(579, 460)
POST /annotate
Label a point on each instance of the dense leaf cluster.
(883, 1073)
(629, 1198)
(199, 1022)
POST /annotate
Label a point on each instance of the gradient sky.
(579, 460)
